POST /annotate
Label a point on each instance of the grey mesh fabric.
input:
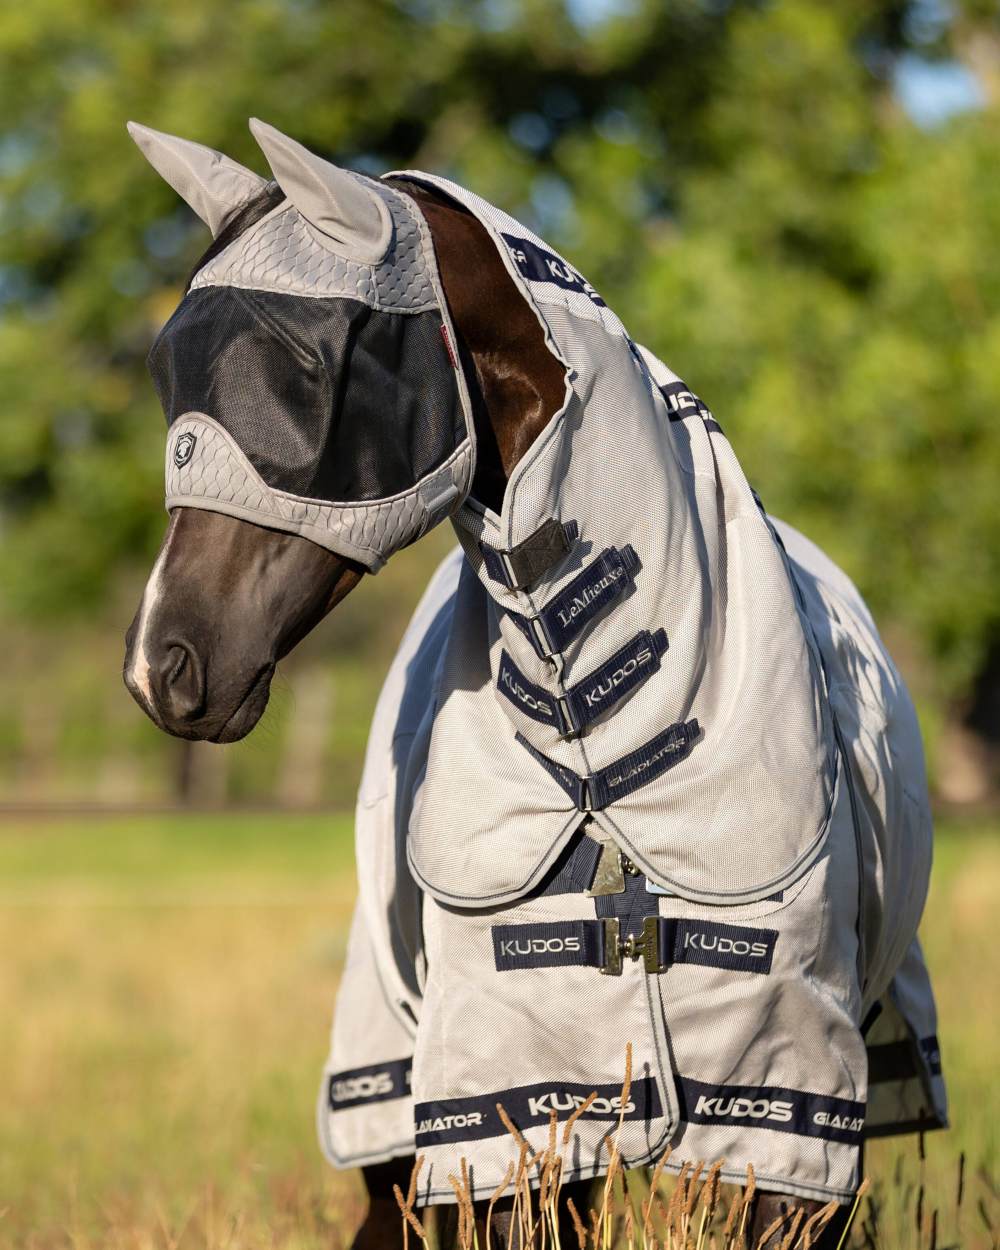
(288, 348)
(687, 683)
(747, 808)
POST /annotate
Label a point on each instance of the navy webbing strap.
(569, 613)
(624, 776)
(533, 700)
(606, 686)
(517, 567)
(662, 942)
(574, 871)
(597, 693)
(559, 944)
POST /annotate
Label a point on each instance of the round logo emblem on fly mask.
(184, 449)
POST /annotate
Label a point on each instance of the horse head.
(350, 359)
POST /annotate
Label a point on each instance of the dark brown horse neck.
(515, 382)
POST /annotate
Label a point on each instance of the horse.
(245, 571)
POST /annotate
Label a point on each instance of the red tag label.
(448, 347)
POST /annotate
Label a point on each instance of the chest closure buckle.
(646, 947)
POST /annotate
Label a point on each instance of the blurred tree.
(736, 176)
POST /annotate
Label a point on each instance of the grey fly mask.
(309, 376)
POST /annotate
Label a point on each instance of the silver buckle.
(542, 644)
(568, 728)
(647, 946)
(612, 966)
(609, 876)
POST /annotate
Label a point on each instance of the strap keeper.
(539, 638)
(586, 800)
(569, 726)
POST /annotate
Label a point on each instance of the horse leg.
(504, 1231)
(383, 1222)
(768, 1207)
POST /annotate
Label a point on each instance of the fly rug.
(642, 771)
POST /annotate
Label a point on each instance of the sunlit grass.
(165, 995)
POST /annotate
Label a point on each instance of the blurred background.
(796, 204)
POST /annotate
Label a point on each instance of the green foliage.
(737, 179)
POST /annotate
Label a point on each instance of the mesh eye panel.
(328, 398)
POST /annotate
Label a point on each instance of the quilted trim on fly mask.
(283, 253)
(214, 474)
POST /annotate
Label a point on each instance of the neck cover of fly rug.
(628, 646)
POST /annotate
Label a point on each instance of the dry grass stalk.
(578, 1226)
(673, 1206)
(816, 1223)
(789, 1237)
(709, 1201)
(584, 1106)
(654, 1181)
(691, 1192)
(495, 1196)
(772, 1228)
(548, 1185)
(552, 1186)
(409, 1219)
(595, 1229)
(735, 1207)
(862, 1190)
(520, 1179)
(456, 1184)
(664, 1215)
(510, 1126)
(606, 1204)
(411, 1193)
(685, 1199)
(748, 1194)
(467, 1215)
(626, 1084)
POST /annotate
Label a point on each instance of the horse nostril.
(182, 683)
(180, 663)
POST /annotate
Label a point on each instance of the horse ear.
(211, 183)
(333, 200)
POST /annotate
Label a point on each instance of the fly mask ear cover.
(309, 376)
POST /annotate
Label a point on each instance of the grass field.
(165, 993)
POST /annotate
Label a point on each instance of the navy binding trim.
(519, 566)
(599, 692)
(624, 776)
(784, 1110)
(452, 1120)
(569, 613)
(683, 402)
(538, 264)
(377, 1082)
